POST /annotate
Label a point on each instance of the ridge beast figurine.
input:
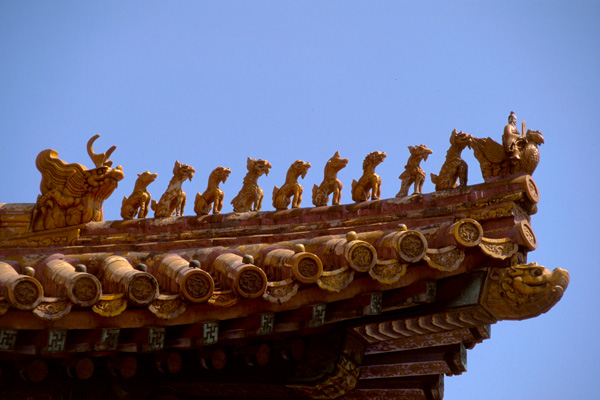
(71, 194)
(369, 184)
(251, 195)
(454, 168)
(138, 203)
(518, 153)
(172, 202)
(213, 195)
(331, 183)
(291, 187)
(412, 171)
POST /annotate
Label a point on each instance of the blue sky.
(212, 83)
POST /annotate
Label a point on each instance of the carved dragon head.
(374, 159)
(524, 291)
(258, 167)
(183, 171)
(460, 139)
(299, 168)
(220, 174)
(420, 152)
(146, 178)
(535, 137)
(336, 162)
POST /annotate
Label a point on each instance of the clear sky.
(212, 83)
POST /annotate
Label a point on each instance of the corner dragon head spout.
(524, 291)
(71, 194)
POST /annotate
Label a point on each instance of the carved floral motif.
(52, 308)
(446, 259)
(167, 306)
(388, 271)
(281, 291)
(110, 305)
(225, 298)
(335, 281)
(498, 248)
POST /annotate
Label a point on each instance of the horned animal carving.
(138, 203)
(172, 202)
(331, 183)
(369, 184)
(213, 195)
(454, 168)
(71, 194)
(412, 171)
(291, 187)
(251, 195)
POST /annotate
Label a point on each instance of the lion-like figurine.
(454, 169)
(172, 202)
(369, 184)
(412, 171)
(138, 203)
(71, 194)
(213, 195)
(331, 183)
(251, 195)
(518, 154)
(291, 188)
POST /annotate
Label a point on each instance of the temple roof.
(381, 297)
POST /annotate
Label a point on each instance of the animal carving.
(496, 163)
(331, 183)
(71, 194)
(524, 290)
(138, 203)
(251, 195)
(291, 189)
(412, 171)
(172, 202)
(213, 195)
(454, 168)
(369, 184)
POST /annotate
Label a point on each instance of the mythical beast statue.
(524, 291)
(331, 183)
(369, 184)
(213, 196)
(71, 193)
(454, 168)
(412, 171)
(251, 195)
(138, 203)
(291, 191)
(172, 202)
(518, 153)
